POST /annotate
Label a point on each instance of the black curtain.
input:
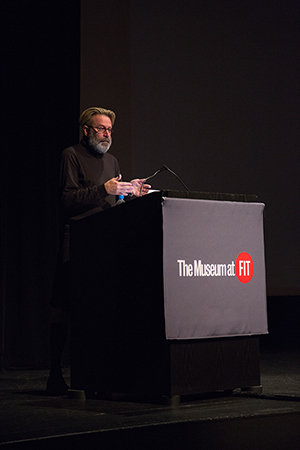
(40, 100)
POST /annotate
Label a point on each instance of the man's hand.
(137, 183)
(115, 187)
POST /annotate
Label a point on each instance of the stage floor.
(28, 418)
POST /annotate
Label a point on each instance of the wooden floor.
(237, 420)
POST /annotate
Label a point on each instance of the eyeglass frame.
(110, 130)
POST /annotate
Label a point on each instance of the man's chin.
(102, 148)
(99, 146)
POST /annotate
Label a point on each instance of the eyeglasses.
(101, 129)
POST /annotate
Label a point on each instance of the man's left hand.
(137, 183)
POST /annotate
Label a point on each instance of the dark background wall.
(209, 88)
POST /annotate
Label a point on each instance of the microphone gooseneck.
(161, 170)
(151, 176)
(175, 175)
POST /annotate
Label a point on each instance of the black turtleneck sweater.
(82, 177)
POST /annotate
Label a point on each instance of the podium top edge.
(209, 195)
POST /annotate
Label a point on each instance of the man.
(90, 180)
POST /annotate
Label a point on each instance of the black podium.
(118, 335)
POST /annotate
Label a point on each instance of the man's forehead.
(99, 119)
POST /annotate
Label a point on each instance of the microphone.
(161, 170)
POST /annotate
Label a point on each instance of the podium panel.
(214, 269)
(119, 332)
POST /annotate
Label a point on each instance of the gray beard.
(97, 145)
